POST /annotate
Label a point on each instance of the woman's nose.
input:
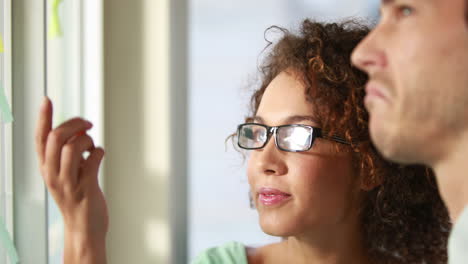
(270, 160)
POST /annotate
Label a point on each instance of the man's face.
(417, 94)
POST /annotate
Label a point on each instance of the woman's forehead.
(284, 97)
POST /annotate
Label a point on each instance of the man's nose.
(369, 56)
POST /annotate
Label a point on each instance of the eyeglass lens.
(252, 136)
(294, 138)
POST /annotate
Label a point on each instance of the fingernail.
(45, 101)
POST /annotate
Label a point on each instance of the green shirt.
(229, 253)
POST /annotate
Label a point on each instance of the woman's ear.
(369, 182)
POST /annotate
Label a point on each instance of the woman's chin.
(278, 227)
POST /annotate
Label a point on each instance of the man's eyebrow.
(290, 119)
(387, 2)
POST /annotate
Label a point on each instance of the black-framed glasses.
(291, 138)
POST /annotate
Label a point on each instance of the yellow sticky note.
(1, 44)
(55, 29)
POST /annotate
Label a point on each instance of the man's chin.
(390, 146)
(383, 139)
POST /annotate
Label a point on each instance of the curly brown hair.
(403, 218)
(466, 11)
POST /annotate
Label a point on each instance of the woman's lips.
(271, 196)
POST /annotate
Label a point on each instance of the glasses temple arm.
(337, 139)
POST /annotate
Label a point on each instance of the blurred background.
(225, 44)
(165, 82)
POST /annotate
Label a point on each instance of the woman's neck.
(336, 246)
(330, 252)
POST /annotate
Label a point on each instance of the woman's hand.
(72, 181)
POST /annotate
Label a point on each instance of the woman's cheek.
(251, 175)
(324, 180)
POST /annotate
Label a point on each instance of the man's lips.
(374, 92)
(271, 196)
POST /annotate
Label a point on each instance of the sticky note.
(55, 29)
(1, 44)
(7, 243)
(4, 107)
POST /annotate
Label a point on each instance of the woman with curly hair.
(316, 179)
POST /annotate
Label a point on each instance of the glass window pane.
(64, 89)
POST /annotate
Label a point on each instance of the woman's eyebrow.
(289, 120)
(257, 119)
(299, 118)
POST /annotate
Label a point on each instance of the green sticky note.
(1, 44)
(4, 107)
(55, 29)
(7, 243)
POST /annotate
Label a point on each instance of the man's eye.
(405, 11)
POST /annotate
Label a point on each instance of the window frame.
(28, 71)
(6, 133)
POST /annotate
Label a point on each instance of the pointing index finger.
(44, 126)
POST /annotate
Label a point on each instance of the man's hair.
(403, 219)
